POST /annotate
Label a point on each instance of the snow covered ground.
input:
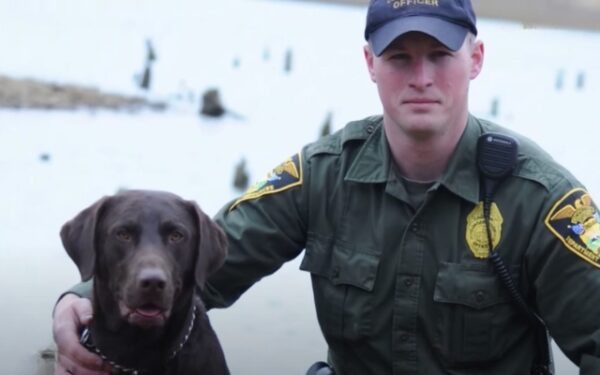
(238, 46)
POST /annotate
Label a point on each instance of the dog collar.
(86, 340)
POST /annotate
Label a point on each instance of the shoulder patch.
(286, 175)
(575, 220)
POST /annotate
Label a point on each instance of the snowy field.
(542, 83)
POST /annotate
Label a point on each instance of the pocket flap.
(341, 264)
(317, 256)
(471, 285)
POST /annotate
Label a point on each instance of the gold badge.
(286, 175)
(477, 238)
(574, 219)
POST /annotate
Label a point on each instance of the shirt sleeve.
(84, 289)
(565, 273)
(265, 228)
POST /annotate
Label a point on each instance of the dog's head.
(144, 248)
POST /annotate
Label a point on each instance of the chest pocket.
(343, 278)
(475, 318)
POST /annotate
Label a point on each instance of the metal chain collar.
(88, 343)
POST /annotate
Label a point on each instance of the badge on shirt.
(574, 219)
(476, 233)
(286, 175)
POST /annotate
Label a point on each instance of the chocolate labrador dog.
(149, 252)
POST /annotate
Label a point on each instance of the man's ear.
(369, 59)
(78, 238)
(477, 55)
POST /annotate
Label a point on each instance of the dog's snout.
(152, 279)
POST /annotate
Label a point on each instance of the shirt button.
(414, 227)
(370, 129)
(336, 272)
(480, 296)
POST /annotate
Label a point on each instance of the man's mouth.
(420, 101)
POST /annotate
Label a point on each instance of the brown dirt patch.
(34, 94)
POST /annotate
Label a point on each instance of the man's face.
(423, 85)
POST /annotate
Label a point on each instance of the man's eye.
(175, 236)
(124, 235)
(440, 54)
(399, 56)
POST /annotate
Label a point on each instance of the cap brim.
(449, 34)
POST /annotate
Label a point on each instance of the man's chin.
(422, 127)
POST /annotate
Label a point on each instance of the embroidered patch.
(574, 219)
(286, 175)
(476, 233)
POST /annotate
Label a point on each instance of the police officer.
(388, 211)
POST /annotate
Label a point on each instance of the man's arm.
(265, 228)
(564, 267)
(589, 365)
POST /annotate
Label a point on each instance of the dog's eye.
(124, 235)
(175, 236)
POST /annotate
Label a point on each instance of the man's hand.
(70, 314)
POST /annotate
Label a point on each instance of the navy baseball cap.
(448, 21)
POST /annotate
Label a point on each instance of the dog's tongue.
(148, 312)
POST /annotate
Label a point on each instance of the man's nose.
(421, 74)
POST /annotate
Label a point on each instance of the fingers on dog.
(70, 351)
(64, 365)
(76, 353)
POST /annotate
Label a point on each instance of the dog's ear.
(212, 246)
(78, 238)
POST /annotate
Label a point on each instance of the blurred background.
(573, 14)
(202, 98)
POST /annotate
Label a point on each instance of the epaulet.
(534, 163)
(290, 173)
(353, 131)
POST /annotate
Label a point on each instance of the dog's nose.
(152, 279)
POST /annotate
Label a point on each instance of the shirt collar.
(461, 177)
(372, 163)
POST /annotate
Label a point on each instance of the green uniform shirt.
(400, 290)
(405, 291)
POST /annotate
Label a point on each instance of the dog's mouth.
(146, 316)
(148, 312)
